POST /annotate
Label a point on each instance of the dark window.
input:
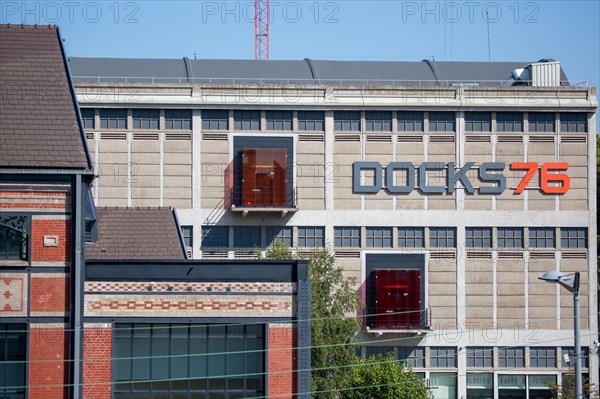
(246, 120)
(188, 236)
(284, 234)
(311, 236)
(378, 350)
(346, 121)
(188, 360)
(215, 237)
(146, 118)
(570, 352)
(347, 236)
(311, 120)
(87, 116)
(176, 119)
(279, 120)
(378, 121)
(411, 356)
(379, 237)
(411, 237)
(113, 119)
(13, 238)
(573, 237)
(510, 237)
(409, 121)
(215, 120)
(511, 357)
(441, 121)
(479, 237)
(542, 357)
(541, 121)
(13, 351)
(246, 236)
(573, 122)
(442, 356)
(480, 357)
(509, 121)
(442, 237)
(478, 121)
(541, 237)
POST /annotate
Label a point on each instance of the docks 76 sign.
(491, 177)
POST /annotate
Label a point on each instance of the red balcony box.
(397, 300)
(264, 173)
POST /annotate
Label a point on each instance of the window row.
(218, 237)
(445, 121)
(513, 237)
(148, 119)
(344, 121)
(382, 237)
(482, 357)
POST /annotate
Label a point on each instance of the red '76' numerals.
(545, 176)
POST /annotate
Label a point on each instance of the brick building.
(44, 172)
(445, 188)
(102, 302)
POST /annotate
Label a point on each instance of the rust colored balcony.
(262, 184)
(397, 320)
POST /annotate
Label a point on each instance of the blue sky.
(342, 30)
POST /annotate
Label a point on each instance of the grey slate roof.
(39, 126)
(135, 233)
(300, 72)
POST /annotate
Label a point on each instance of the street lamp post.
(562, 278)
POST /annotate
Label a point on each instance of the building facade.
(445, 189)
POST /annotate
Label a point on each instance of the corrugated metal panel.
(546, 74)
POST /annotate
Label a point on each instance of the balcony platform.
(404, 331)
(246, 210)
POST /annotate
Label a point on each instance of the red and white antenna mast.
(261, 29)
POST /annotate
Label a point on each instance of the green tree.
(334, 298)
(381, 377)
(567, 389)
(336, 369)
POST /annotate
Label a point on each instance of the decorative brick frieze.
(32, 200)
(13, 294)
(98, 305)
(112, 286)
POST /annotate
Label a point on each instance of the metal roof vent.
(545, 73)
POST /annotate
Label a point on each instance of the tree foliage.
(382, 377)
(334, 297)
(567, 389)
(336, 369)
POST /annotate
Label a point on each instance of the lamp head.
(555, 276)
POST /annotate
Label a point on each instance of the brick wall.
(282, 361)
(97, 352)
(58, 228)
(49, 293)
(48, 373)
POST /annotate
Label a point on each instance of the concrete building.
(445, 189)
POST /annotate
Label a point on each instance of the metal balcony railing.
(262, 197)
(398, 319)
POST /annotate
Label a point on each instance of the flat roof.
(307, 71)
